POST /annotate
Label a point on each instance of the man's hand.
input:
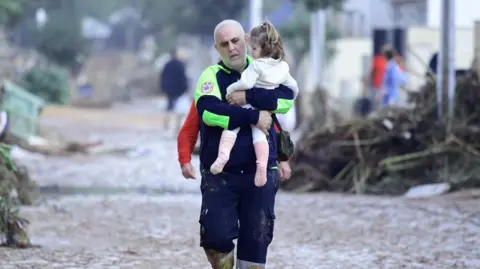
(264, 121)
(285, 170)
(188, 171)
(237, 98)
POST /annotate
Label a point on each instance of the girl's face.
(256, 50)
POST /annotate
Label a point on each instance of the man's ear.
(247, 38)
(216, 47)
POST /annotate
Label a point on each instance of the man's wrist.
(248, 97)
(182, 164)
(254, 116)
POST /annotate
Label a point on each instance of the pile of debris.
(395, 149)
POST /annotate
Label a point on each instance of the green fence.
(23, 109)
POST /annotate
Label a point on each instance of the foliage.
(49, 84)
(5, 157)
(12, 225)
(169, 19)
(61, 39)
(297, 33)
(205, 15)
(314, 5)
(11, 11)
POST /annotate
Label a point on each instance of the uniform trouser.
(234, 208)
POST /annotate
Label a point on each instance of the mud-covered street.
(134, 210)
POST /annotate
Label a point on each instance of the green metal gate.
(23, 109)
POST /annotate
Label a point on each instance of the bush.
(12, 225)
(50, 85)
(61, 39)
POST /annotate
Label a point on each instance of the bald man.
(232, 206)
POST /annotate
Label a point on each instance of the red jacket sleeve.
(188, 135)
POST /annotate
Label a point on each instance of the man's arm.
(278, 100)
(188, 135)
(214, 112)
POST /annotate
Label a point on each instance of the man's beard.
(237, 65)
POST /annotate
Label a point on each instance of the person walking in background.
(377, 74)
(174, 84)
(394, 79)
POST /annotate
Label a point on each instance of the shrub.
(48, 84)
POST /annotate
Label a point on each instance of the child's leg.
(260, 144)
(227, 140)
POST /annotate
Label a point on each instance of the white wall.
(466, 12)
(426, 41)
(343, 76)
(379, 14)
(346, 68)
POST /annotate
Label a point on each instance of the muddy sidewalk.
(136, 211)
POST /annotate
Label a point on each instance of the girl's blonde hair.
(269, 40)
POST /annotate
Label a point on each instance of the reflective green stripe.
(209, 75)
(283, 106)
(211, 119)
(207, 83)
(274, 168)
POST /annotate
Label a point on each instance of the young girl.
(268, 71)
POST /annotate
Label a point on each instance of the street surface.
(134, 210)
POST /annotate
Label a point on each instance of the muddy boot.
(220, 260)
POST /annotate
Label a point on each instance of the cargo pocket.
(201, 221)
(270, 225)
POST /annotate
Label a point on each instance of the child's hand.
(264, 121)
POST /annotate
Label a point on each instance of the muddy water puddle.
(52, 192)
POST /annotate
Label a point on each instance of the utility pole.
(256, 13)
(317, 45)
(445, 85)
(451, 62)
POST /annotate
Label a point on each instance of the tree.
(297, 33)
(205, 15)
(12, 11)
(168, 19)
(314, 5)
(61, 39)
